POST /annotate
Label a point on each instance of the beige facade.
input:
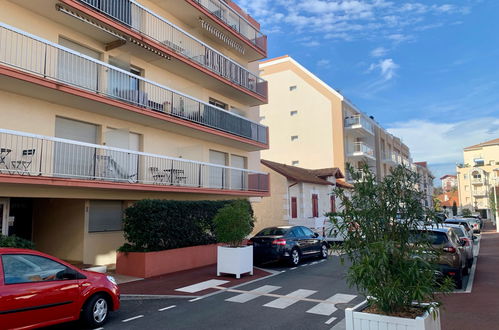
(477, 176)
(116, 105)
(425, 184)
(314, 126)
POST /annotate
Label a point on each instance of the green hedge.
(155, 225)
(16, 242)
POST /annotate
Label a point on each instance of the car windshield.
(432, 237)
(273, 231)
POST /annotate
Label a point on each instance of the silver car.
(463, 236)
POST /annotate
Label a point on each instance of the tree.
(233, 223)
(454, 208)
(391, 262)
(465, 212)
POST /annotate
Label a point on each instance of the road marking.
(290, 299)
(133, 318)
(340, 325)
(331, 320)
(167, 308)
(201, 286)
(253, 294)
(314, 263)
(99, 328)
(293, 268)
(196, 299)
(283, 271)
(471, 278)
(328, 307)
(304, 265)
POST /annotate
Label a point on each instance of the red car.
(39, 290)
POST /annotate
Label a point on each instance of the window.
(293, 113)
(218, 103)
(295, 162)
(315, 205)
(333, 203)
(25, 268)
(294, 208)
(307, 232)
(294, 137)
(292, 88)
(105, 216)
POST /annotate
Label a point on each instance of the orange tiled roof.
(452, 196)
(448, 176)
(483, 144)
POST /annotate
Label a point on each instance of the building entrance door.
(4, 216)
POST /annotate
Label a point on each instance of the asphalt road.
(307, 287)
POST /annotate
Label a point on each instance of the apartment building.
(448, 182)
(425, 184)
(477, 176)
(106, 102)
(314, 126)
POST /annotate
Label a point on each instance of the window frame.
(315, 205)
(294, 207)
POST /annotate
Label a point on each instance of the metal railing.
(148, 23)
(390, 157)
(233, 19)
(35, 55)
(362, 148)
(477, 180)
(479, 192)
(359, 120)
(36, 155)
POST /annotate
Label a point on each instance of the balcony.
(361, 150)
(479, 192)
(391, 158)
(38, 157)
(54, 62)
(137, 18)
(477, 181)
(359, 126)
(236, 22)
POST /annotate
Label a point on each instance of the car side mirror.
(475, 237)
(68, 274)
(316, 235)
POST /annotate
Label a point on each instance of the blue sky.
(428, 71)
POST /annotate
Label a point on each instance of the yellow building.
(107, 102)
(477, 175)
(314, 126)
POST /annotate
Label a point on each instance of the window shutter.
(333, 203)
(294, 208)
(315, 205)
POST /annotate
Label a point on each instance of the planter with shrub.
(391, 266)
(233, 223)
(16, 242)
(165, 236)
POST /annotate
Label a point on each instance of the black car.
(288, 243)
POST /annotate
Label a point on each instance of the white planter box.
(238, 260)
(356, 320)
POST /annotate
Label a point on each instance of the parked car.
(452, 258)
(468, 246)
(331, 233)
(475, 223)
(38, 290)
(288, 243)
(464, 223)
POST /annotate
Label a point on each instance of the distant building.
(449, 182)
(447, 200)
(298, 196)
(476, 176)
(425, 184)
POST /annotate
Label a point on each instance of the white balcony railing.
(146, 22)
(359, 120)
(477, 180)
(479, 192)
(361, 149)
(36, 155)
(35, 55)
(233, 19)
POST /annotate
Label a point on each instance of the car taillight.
(466, 240)
(249, 242)
(279, 241)
(450, 249)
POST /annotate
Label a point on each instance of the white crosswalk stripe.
(328, 307)
(201, 286)
(290, 299)
(253, 294)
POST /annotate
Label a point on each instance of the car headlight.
(112, 280)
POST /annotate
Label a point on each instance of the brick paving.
(480, 308)
(166, 284)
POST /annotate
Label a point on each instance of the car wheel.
(458, 280)
(95, 311)
(295, 257)
(324, 251)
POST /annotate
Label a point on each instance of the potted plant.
(233, 223)
(393, 268)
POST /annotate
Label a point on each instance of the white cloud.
(324, 63)
(379, 52)
(387, 68)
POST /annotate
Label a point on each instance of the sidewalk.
(480, 308)
(166, 284)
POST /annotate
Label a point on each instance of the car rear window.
(273, 231)
(463, 223)
(459, 231)
(433, 237)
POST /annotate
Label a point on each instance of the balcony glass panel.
(37, 155)
(359, 120)
(32, 54)
(166, 33)
(362, 148)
